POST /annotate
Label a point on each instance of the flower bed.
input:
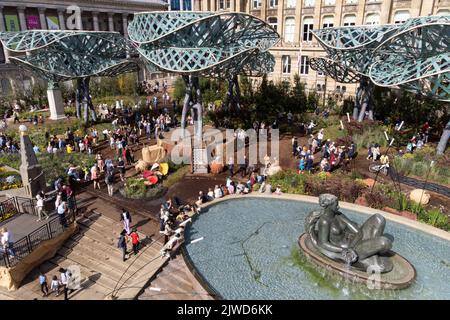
(382, 197)
(135, 188)
(9, 180)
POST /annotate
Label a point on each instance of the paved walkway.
(175, 282)
(420, 184)
(20, 225)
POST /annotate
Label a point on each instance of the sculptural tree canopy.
(62, 55)
(413, 56)
(207, 44)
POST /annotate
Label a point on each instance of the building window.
(304, 65)
(401, 16)
(175, 5)
(328, 22)
(373, 19)
(351, 2)
(286, 60)
(349, 20)
(5, 87)
(329, 2)
(256, 4)
(273, 22)
(289, 29)
(320, 74)
(308, 25)
(309, 3)
(291, 3)
(273, 3)
(221, 4)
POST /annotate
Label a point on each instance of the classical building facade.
(96, 15)
(294, 20)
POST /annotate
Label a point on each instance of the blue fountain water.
(250, 251)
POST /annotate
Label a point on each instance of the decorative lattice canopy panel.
(204, 43)
(413, 55)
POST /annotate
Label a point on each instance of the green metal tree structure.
(206, 44)
(413, 56)
(71, 55)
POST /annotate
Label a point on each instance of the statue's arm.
(323, 238)
(353, 226)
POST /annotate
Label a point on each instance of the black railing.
(8, 208)
(11, 255)
(26, 205)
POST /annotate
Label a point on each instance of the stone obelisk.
(33, 178)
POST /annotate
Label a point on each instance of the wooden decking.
(175, 282)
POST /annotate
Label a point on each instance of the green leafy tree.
(179, 90)
(298, 96)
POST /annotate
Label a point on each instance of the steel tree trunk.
(442, 145)
(78, 97)
(187, 100)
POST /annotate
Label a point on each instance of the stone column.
(2, 20)
(55, 101)
(95, 21)
(125, 24)
(33, 178)
(42, 18)
(111, 21)
(23, 22)
(62, 23)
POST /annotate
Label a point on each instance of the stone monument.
(55, 101)
(33, 178)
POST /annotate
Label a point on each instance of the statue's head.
(329, 201)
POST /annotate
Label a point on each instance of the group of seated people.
(173, 219)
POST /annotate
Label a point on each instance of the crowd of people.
(8, 144)
(332, 155)
(64, 283)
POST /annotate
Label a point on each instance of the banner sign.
(12, 23)
(33, 22)
(52, 23)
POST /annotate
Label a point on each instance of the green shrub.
(419, 169)
(135, 188)
(377, 198)
(11, 160)
(400, 201)
(435, 218)
(289, 181)
(374, 134)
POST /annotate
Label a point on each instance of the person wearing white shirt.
(65, 276)
(7, 242)
(218, 192)
(320, 136)
(40, 207)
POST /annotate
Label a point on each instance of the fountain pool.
(250, 251)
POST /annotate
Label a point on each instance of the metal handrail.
(25, 245)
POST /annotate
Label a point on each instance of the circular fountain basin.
(400, 277)
(250, 250)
